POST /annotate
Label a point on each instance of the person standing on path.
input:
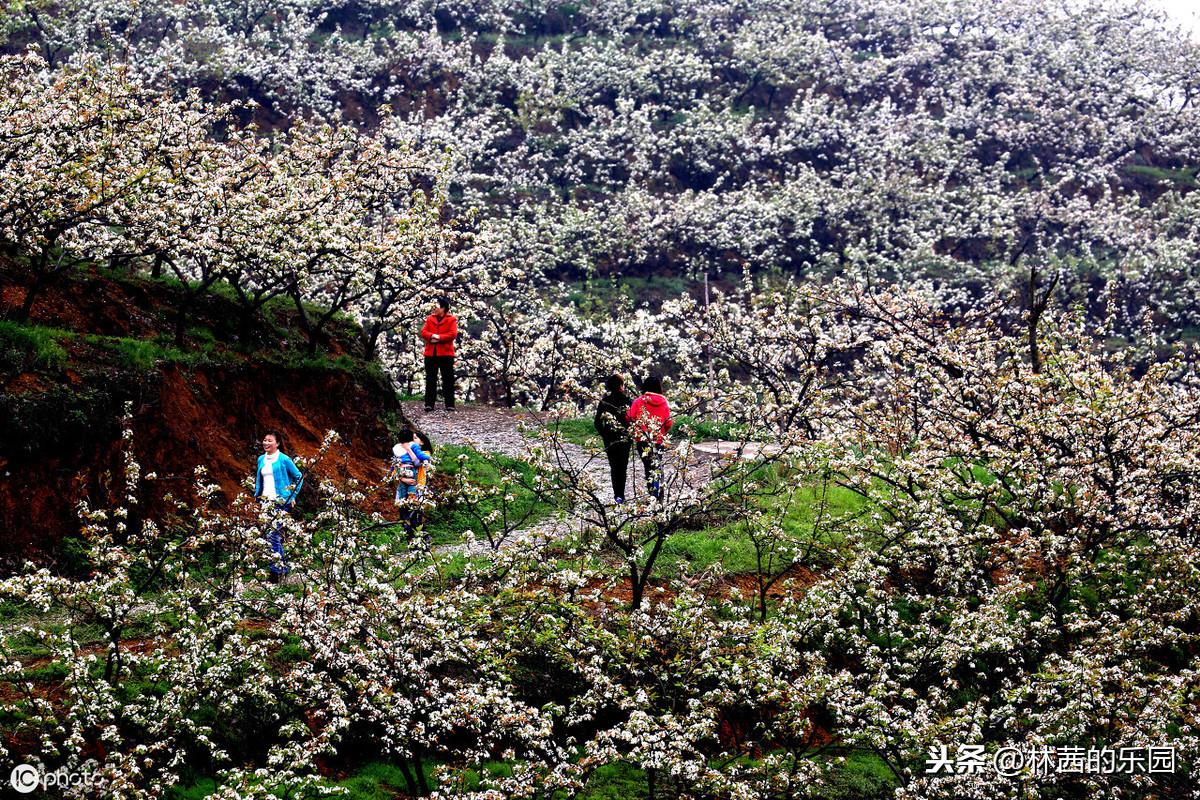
(650, 420)
(277, 480)
(439, 332)
(613, 426)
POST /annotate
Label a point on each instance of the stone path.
(490, 429)
(746, 451)
(499, 430)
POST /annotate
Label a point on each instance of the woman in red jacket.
(650, 420)
(439, 332)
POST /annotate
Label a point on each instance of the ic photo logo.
(26, 778)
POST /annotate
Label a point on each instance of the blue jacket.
(285, 474)
(418, 452)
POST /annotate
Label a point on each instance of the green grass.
(698, 550)
(28, 347)
(862, 776)
(378, 781)
(1180, 177)
(14, 613)
(199, 790)
(212, 332)
(31, 346)
(799, 513)
(580, 431)
(697, 429)
(383, 781)
(805, 509)
(618, 781)
(447, 523)
(47, 673)
(599, 296)
(292, 651)
(145, 355)
(26, 646)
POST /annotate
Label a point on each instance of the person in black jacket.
(613, 428)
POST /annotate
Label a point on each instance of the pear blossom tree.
(77, 147)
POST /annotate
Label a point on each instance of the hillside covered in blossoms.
(922, 284)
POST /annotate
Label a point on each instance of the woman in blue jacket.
(278, 480)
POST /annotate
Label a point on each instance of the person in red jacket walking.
(650, 420)
(439, 332)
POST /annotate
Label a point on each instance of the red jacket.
(447, 330)
(651, 417)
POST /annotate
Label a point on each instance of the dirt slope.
(205, 403)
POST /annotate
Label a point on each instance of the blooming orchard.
(1018, 569)
(1022, 141)
(954, 252)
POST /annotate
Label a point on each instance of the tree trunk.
(408, 778)
(370, 340)
(181, 314)
(1037, 307)
(246, 324)
(41, 271)
(30, 295)
(302, 317)
(419, 768)
(637, 587)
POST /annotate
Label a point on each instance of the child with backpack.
(409, 463)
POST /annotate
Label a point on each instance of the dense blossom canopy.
(962, 141)
(954, 252)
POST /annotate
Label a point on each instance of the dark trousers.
(433, 366)
(652, 458)
(618, 463)
(412, 517)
